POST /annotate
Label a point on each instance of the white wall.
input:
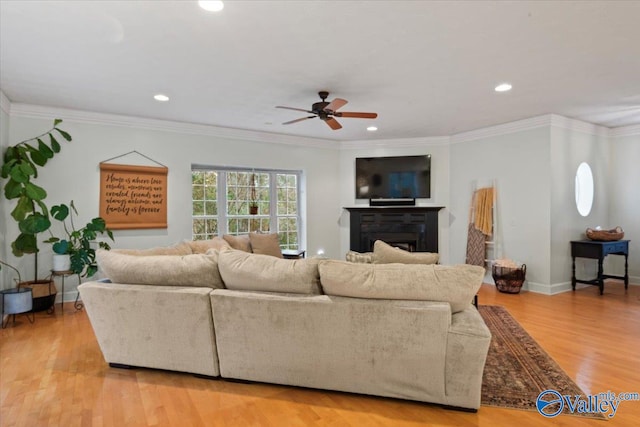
(625, 196)
(569, 148)
(439, 150)
(518, 163)
(74, 174)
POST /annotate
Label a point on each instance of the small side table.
(17, 301)
(293, 254)
(599, 250)
(63, 274)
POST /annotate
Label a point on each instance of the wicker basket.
(605, 235)
(509, 280)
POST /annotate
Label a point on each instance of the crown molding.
(633, 130)
(502, 129)
(579, 126)
(394, 143)
(5, 104)
(88, 117)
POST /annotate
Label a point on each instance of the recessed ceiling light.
(160, 97)
(372, 128)
(211, 6)
(503, 87)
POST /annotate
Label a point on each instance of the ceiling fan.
(327, 111)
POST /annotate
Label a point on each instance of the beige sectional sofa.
(398, 330)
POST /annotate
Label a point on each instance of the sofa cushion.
(455, 284)
(257, 272)
(240, 242)
(265, 244)
(202, 246)
(181, 248)
(199, 270)
(362, 257)
(384, 253)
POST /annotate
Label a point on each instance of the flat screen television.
(403, 177)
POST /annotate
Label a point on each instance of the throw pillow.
(265, 244)
(361, 257)
(384, 253)
(256, 272)
(202, 246)
(240, 242)
(199, 270)
(455, 284)
(181, 248)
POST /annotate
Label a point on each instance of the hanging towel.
(483, 210)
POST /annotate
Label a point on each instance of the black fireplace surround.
(413, 228)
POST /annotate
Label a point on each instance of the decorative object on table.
(20, 168)
(508, 275)
(133, 197)
(605, 235)
(80, 243)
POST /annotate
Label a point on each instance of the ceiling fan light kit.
(327, 111)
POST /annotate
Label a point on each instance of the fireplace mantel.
(413, 226)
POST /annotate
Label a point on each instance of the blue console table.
(598, 250)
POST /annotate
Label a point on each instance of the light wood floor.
(53, 374)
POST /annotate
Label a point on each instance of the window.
(239, 201)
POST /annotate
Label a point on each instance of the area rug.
(518, 369)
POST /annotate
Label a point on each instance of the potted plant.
(253, 200)
(78, 243)
(20, 168)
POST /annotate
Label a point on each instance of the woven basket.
(605, 235)
(509, 280)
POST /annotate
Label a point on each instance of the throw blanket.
(483, 210)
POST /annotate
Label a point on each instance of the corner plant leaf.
(12, 189)
(61, 247)
(55, 145)
(6, 168)
(60, 212)
(34, 224)
(38, 158)
(34, 192)
(64, 134)
(18, 175)
(27, 168)
(24, 244)
(56, 122)
(23, 208)
(44, 149)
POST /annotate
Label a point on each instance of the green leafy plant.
(79, 243)
(20, 168)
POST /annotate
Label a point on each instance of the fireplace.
(413, 228)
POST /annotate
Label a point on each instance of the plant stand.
(63, 274)
(17, 301)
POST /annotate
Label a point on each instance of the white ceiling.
(427, 68)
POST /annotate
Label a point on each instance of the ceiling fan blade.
(294, 109)
(299, 120)
(357, 115)
(333, 123)
(335, 104)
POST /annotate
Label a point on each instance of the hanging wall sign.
(133, 196)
